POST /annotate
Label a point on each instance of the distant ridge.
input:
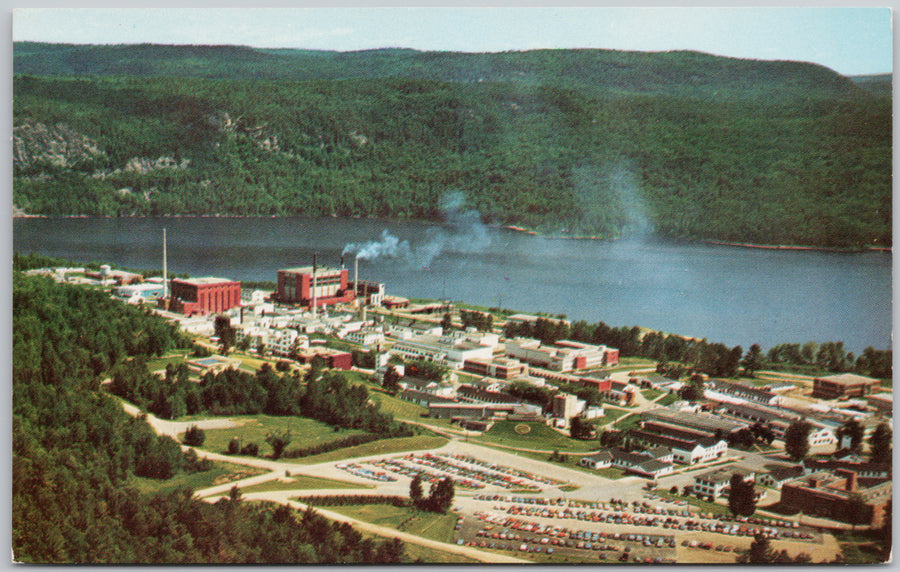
(674, 72)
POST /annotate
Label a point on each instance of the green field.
(380, 447)
(669, 399)
(651, 394)
(628, 422)
(414, 553)
(305, 432)
(538, 436)
(399, 408)
(220, 473)
(302, 482)
(422, 523)
(174, 357)
(609, 416)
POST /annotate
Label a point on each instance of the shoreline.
(510, 227)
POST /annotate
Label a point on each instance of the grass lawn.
(414, 553)
(422, 523)
(304, 432)
(380, 447)
(533, 435)
(609, 416)
(174, 357)
(399, 408)
(629, 422)
(220, 473)
(303, 482)
(651, 394)
(668, 399)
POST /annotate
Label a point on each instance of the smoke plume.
(389, 246)
(463, 232)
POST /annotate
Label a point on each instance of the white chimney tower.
(165, 269)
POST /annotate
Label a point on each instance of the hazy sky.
(848, 40)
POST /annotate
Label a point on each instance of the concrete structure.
(832, 496)
(367, 337)
(295, 286)
(369, 293)
(564, 355)
(204, 296)
(566, 406)
(446, 350)
(500, 368)
(843, 385)
(145, 291)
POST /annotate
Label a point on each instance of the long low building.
(688, 452)
(703, 422)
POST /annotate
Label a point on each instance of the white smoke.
(389, 246)
(463, 232)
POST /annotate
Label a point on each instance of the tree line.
(560, 158)
(76, 453)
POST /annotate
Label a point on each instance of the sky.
(851, 41)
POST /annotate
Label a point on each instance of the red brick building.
(204, 295)
(295, 286)
(832, 496)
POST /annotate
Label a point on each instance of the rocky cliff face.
(36, 144)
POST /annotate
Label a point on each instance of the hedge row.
(351, 441)
(347, 500)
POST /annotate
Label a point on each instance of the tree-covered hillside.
(579, 141)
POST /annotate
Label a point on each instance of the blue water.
(725, 294)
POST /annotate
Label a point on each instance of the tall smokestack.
(165, 269)
(315, 265)
(356, 278)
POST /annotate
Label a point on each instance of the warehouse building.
(836, 496)
(203, 296)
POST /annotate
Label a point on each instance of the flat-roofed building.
(295, 286)
(703, 422)
(835, 496)
(882, 402)
(843, 385)
(202, 296)
(713, 483)
(500, 367)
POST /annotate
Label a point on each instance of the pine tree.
(796, 440)
(880, 444)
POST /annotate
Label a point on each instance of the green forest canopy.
(598, 142)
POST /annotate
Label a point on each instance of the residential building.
(843, 385)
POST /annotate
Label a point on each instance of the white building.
(367, 337)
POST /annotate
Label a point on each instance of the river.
(726, 294)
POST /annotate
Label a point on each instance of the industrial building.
(709, 423)
(843, 385)
(144, 290)
(193, 296)
(565, 355)
(295, 286)
(835, 496)
(447, 350)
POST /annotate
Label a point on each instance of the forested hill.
(677, 72)
(681, 144)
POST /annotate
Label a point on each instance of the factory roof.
(203, 281)
(693, 419)
(309, 269)
(846, 379)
